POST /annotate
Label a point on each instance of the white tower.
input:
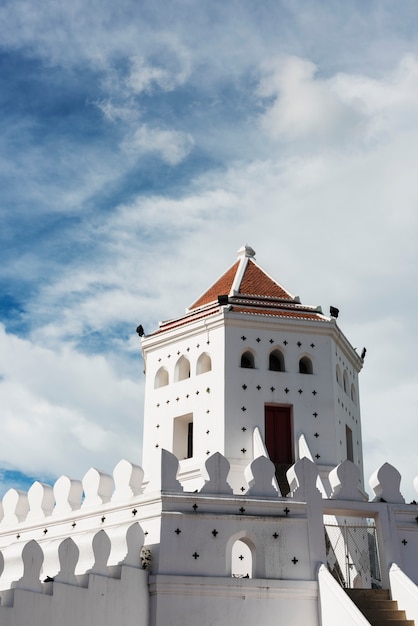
(249, 370)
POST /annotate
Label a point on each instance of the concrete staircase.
(378, 608)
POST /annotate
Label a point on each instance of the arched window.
(305, 365)
(182, 369)
(338, 374)
(353, 393)
(247, 360)
(204, 363)
(161, 378)
(242, 558)
(276, 361)
(345, 381)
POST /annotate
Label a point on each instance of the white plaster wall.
(225, 414)
(200, 395)
(179, 601)
(104, 601)
(273, 384)
(347, 410)
(272, 557)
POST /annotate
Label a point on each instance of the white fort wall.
(163, 557)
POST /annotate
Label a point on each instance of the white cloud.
(126, 112)
(171, 145)
(351, 107)
(303, 105)
(143, 76)
(61, 411)
(173, 68)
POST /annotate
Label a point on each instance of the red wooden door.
(278, 434)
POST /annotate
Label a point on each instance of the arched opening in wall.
(276, 361)
(204, 364)
(247, 360)
(345, 381)
(353, 394)
(338, 374)
(161, 378)
(305, 365)
(183, 436)
(242, 558)
(182, 369)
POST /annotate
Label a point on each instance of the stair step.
(384, 605)
(378, 608)
(393, 622)
(369, 594)
(382, 614)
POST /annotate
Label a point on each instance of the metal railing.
(352, 553)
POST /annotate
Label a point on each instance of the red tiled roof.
(256, 283)
(221, 287)
(257, 294)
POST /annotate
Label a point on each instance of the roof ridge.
(244, 278)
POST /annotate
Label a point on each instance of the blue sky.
(141, 144)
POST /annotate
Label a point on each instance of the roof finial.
(246, 251)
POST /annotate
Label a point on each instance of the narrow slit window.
(349, 443)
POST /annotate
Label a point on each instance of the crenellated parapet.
(104, 522)
(43, 504)
(48, 590)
